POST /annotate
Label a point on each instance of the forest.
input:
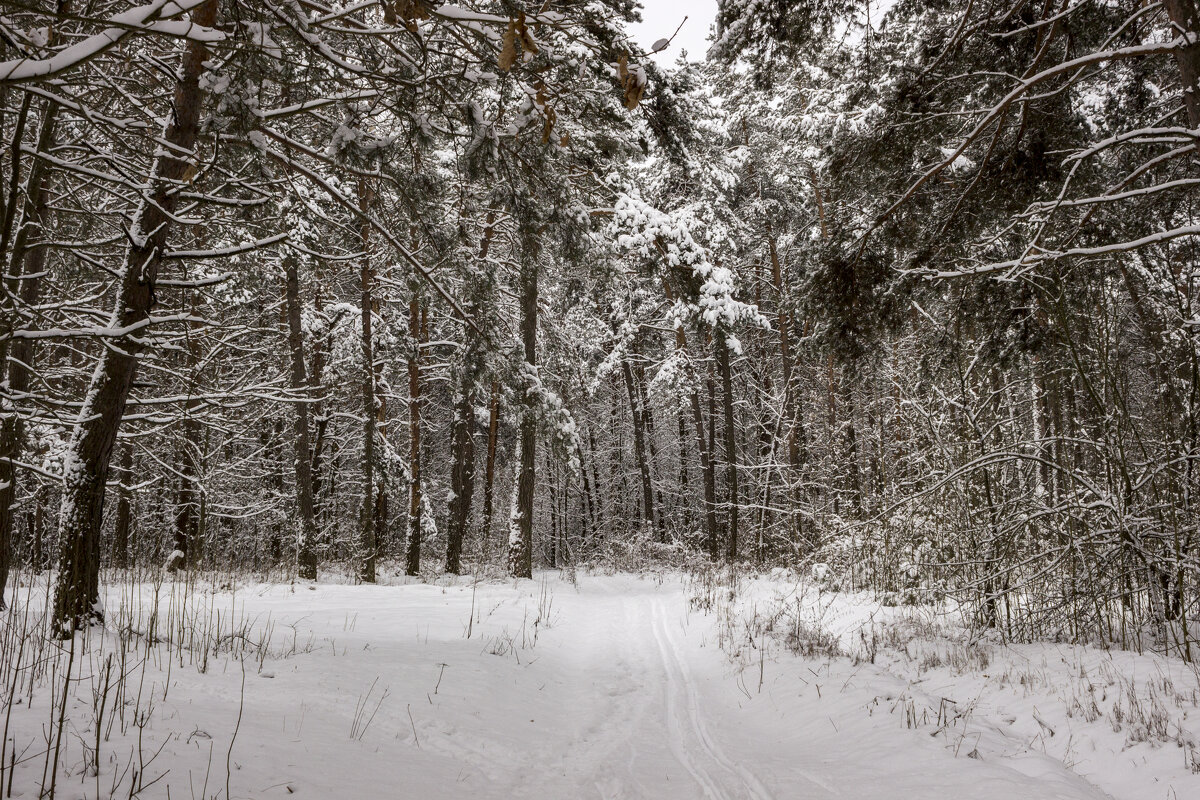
(868, 338)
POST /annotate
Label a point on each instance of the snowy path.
(625, 695)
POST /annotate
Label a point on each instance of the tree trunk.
(462, 472)
(124, 520)
(651, 446)
(586, 509)
(367, 546)
(16, 355)
(187, 522)
(598, 499)
(703, 446)
(9, 449)
(1186, 21)
(855, 477)
(489, 470)
(639, 447)
(832, 488)
(87, 458)
(379, 509)
(274, 446)
(379, 512)
(793, 422)
(306, 533)
(187, 509)
(462, 477)
(520, 546)
(618, 485)
(412, 564)
(37, 524)
(731, 470)
(709, 472)
(552, 487)
(317, 392)
(683, 464)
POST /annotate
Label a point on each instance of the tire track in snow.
(681, 685)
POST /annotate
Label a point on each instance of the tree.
(85, 472)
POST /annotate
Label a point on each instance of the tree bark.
(462, 477)
(618, 479)
(855, 476)
(489, 470)
(709, 472)
(187, 521)
(731, 470)
(599, 502)
(651, 446)
(274, 447)
(586, 507)
(317, 392)
(1186, 21)
(639, 447)
(189, 499)
(415, 528)
(367, 545)
(680, 419)
(520, 551)
(90, 450)
(462, 472)
(792, 420)
(552, 488)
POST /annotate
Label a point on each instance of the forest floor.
(600, 686)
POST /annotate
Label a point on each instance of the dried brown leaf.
(508, 50)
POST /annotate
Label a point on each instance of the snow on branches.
(550, 412)
(639, 227)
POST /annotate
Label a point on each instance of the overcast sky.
(662, 17)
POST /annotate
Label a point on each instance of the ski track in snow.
(690, 740)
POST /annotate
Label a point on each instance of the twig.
(416, 739)
(236, 727)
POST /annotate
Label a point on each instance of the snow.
(638, 226)
(606, 686)
(1122, 724)
(152, 17)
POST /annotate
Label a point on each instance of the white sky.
(662, 17)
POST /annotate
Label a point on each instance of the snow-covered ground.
(604, 687)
